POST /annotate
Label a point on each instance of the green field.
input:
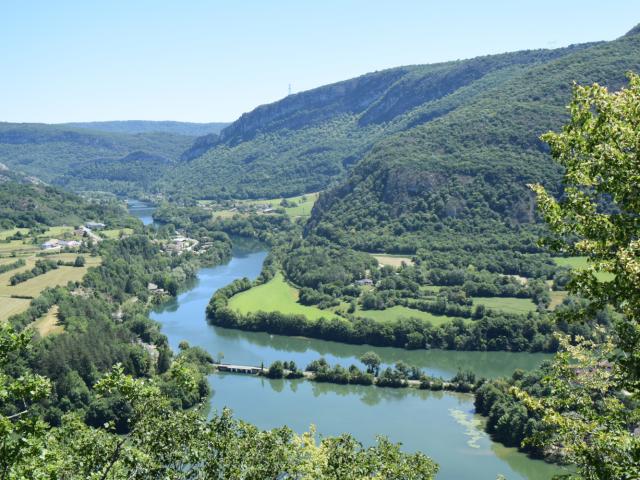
(58, 231)
(580, 263)
(7, 233)
(274, 296)
(115, 233)
(20, 247)
(399, 311)
(506, 304)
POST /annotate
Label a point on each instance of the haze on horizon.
(202, 61)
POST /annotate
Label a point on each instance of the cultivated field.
(506, 304)
(11, 306)
(7, 233)
(32, 287)
(274, 296)
(115, 233)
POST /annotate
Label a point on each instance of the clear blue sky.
(63, 60)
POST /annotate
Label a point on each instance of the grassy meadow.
(278, 296)
(274, 296)
(115, 233)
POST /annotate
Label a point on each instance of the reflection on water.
(440, 424)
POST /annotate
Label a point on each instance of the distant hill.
(147, 126)
(81, 159)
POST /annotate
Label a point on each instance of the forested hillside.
(26, 203)
(463, 171)
(307, 140)
(81, 159)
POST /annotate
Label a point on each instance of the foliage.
(316, 266)
(509, 421)
(594, 408)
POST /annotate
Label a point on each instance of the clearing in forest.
(506, 304)
(295, 207)
(392, 260)
(48, 323)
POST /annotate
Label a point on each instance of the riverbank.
(407, 415)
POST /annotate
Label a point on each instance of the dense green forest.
(462, 177)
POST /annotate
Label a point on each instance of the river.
(440, 424)
(142, 210)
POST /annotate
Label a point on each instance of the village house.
(69, 244)
(95, 225)
(50, 244)
(364, 281)
(153, 288)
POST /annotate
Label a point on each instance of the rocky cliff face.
(312, 107)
